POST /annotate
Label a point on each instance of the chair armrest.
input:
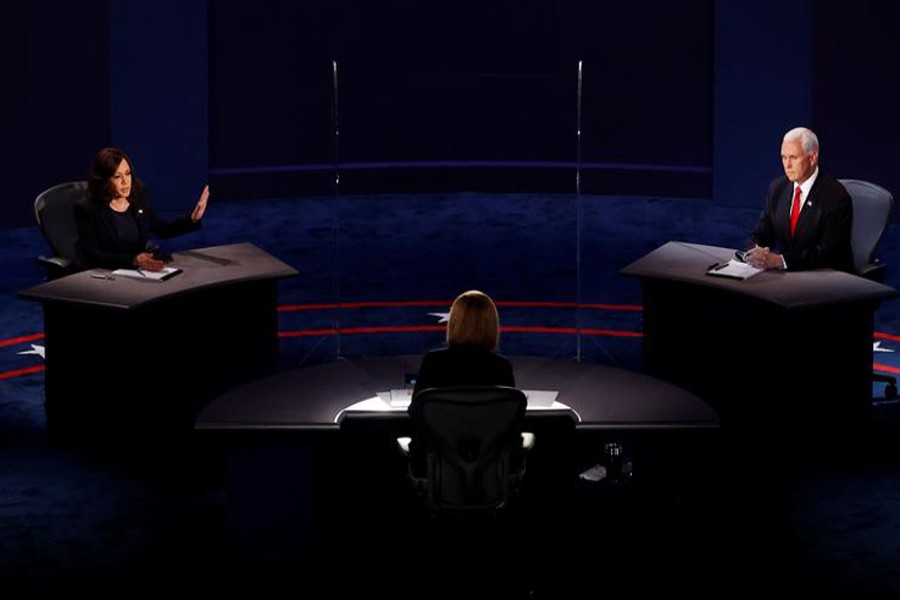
(527, 440)
(55, 262)
(874, 271)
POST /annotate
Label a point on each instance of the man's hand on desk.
(763, 258)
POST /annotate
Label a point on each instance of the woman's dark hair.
(104, 166)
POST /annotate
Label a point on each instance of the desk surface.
(688, 263)
(603, 397)
(201, 268)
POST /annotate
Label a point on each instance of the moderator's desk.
(310, 399)
(295, 476)
(151, 351)
(780, 345)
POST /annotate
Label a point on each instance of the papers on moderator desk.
(398, 401)
(733, 269)
(161, 275)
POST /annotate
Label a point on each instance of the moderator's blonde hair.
(473, 321)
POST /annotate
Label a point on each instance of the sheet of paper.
(161, 275)
(734, 269)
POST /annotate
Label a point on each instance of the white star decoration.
(442, 317)
(35, 349)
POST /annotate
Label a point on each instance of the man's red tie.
(795, 210)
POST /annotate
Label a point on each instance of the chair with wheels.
(872, 209)
(467, 452)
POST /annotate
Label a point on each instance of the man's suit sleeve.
(764, 233)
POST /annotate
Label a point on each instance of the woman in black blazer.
(116, 221)
(470, 358)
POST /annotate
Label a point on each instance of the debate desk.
(593, 396)
(125, 354)
(298, 462)
(781, 347)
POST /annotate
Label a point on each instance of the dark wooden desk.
(125, 353)
(309, 399)
(294, 472)
(780, 346)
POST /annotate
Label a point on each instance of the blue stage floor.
(375, 274)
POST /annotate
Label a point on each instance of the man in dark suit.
(808, 215)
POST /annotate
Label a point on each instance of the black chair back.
(872, 208)
(54, 210)
(471, 441)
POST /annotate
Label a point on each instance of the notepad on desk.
(543, 400)
(733, 269)
(537, 399)
(397, 398)
(161, 275)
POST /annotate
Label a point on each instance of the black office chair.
(54, 210)
(872, 209)
(467, 453)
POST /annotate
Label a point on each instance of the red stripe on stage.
(447, 303)
(886, 336)
(293, 307)
(308, 332)
(885, 368)
(529, 304)
(612, 333)
(22, 339)
(441, 328)
(24, 371)
(570, 331)
(359, 330)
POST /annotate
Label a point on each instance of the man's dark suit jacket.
(463, 365)
(822, 238)
(100, 243)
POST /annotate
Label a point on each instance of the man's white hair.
(806, 137)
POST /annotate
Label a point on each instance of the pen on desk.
(141, 272)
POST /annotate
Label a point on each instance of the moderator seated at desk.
(309, 399)
(286, 454)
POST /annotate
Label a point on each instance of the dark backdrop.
(856, 85)
(467, 95)
(672, 99)
(54, 107)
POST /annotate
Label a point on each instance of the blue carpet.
(80, 518)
